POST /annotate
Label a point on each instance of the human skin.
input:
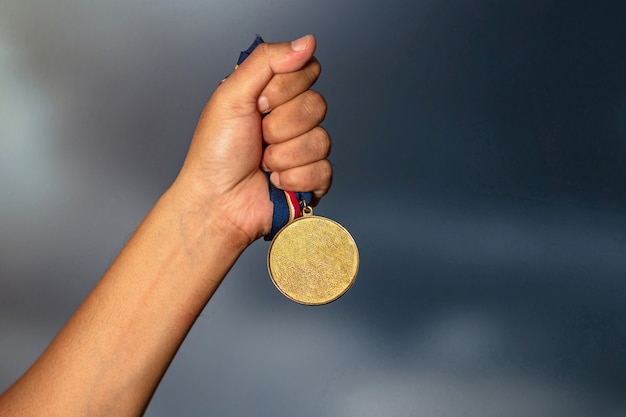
(111, 355)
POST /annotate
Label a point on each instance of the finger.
(315, 177)
(295, 117)
(244, 85)
(285, 87)
(305, 149)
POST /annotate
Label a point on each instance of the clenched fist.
(263, 117)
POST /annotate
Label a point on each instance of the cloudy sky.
(479, 154)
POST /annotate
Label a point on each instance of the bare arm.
(111, 355)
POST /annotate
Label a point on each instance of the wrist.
(200, 220)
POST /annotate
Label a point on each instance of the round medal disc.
(313, 260)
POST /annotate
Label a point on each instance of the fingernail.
(264, 167)
(263, 104)
(274, 177)
(300, 44)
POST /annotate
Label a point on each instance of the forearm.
(111, 355)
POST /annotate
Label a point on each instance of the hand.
(223, 170)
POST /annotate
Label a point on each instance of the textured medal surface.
(313, 260)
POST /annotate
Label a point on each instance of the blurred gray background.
(479, 155)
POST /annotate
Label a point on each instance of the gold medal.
(313, 260)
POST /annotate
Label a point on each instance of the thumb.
(245, 84)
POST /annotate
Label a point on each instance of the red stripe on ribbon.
(294, 205)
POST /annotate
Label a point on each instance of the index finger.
(284, 87)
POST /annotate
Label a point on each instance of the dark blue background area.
(478, 153)
(506, 97)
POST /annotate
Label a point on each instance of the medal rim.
(352, 279)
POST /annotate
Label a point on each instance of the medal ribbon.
(288, 205)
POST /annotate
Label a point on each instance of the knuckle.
(314, 105)
(321, 141)
(314, 69)
(326, 170)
